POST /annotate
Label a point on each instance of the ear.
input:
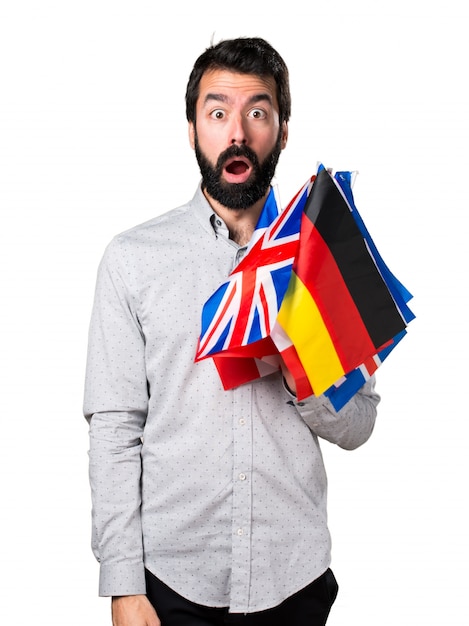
(284, 134)
(191, 130)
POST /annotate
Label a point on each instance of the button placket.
(242, 497)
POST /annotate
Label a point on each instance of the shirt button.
(218, 222)
(240, 532)
(242, 421)
(242, 477)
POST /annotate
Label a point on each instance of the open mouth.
(237, 170)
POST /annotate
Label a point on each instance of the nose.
(238, 131)
(238, 141)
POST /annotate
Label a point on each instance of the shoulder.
(153, 228)
(174, 225)
(161, 239)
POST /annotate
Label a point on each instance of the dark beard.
(238, 195)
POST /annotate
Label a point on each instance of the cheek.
(211, 141)
(267, 142)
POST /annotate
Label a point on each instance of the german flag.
(338, 311)
(325, 301)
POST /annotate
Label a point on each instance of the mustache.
(237, 151)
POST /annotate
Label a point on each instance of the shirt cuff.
(287, 388)
(122, 579)
(309, 405)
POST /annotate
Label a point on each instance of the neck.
(240, 222)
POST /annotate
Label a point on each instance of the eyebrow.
(220, 97)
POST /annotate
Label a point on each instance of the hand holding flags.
(312, 288)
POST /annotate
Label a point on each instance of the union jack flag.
(242, 325)
(244, 309)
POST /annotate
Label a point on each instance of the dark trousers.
(308, 607)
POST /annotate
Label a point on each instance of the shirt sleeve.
(350, 427)
(115, 404)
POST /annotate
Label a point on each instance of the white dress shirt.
(220, 494)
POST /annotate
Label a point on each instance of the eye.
(217, 114)
(257, 114)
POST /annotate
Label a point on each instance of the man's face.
(237, 137)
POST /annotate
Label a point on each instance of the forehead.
(236, 87)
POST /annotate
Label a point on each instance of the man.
(209, 506)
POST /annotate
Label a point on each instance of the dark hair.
(246, 55)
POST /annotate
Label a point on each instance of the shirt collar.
(207, 216)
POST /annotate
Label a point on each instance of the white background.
(93, 140)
